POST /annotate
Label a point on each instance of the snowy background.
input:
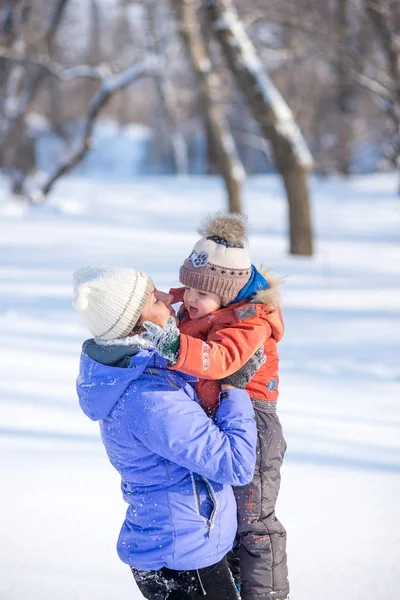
(61, 507)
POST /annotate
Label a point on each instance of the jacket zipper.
(208, 521)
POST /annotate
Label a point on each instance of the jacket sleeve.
(224, 351)
(177, 294)
(174, 426)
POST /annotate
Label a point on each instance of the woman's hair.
(138, 329)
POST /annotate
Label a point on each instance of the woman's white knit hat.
(110, 299)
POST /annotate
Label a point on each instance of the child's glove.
(166, 341)
(242, 376)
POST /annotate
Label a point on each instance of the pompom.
(81, 300)
(231, 227)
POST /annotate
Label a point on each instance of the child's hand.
(165, 341)
(242, 376)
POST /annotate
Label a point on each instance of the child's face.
(199, 304)
(157, 308)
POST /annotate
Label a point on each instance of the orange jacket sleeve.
(177, 294)
(224, 352)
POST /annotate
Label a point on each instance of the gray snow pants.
(259, 561)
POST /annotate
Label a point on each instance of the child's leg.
(262, 551)
(234, 561)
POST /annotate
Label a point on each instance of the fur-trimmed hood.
(271, 296)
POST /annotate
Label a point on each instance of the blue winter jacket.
(176, 464)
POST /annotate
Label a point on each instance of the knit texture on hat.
(219, 263)
(111, 300)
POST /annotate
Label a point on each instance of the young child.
(229, 310)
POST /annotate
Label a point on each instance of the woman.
(177, 465)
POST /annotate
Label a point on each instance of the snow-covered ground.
(61, 507)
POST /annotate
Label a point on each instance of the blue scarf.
(256, 282)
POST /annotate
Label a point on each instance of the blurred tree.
(94, 54)
(271, 112)
(28, 28)
(335, 62)
(108, 88)
(166, 89)
(219, 133)
(385, 18)
(345, 89)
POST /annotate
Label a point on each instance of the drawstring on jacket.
(202, 590)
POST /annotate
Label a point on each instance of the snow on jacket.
(177, 465)
(218, 344)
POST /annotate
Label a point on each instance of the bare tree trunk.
(220, 134)
(94, 55)
(385, 20)
(17, 157)
(345, 92)
(166, 92)
(269, 109)
(31, 83)
(380, 14)
(211, 154)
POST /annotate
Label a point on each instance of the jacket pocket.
(205, 498)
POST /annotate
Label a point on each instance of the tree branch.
(101, 97)
(371, 85)
(33, 83)
(55, 21)
(379, 14)
(52, 67)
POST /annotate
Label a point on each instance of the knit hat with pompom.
(111, 300)
(219, 263)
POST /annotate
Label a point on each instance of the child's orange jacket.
(219, 344)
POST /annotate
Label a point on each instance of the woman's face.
(157, 308)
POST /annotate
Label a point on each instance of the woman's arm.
(173, 425)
